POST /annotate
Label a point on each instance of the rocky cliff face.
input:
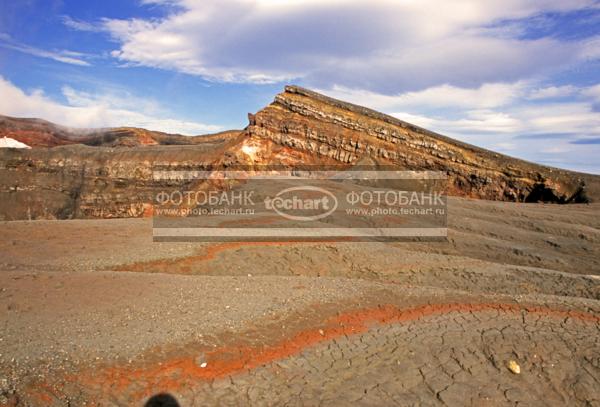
(326, 129)
(299, 128)
(78, 181)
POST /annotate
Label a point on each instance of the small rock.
(514, 367)
(203, 365)
(201, 360)
(321, 332)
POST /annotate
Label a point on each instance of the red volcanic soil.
(180, 371)
(182, 265)
(304, 321)
(36, 138)
(41, 133)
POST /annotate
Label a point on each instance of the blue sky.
(520, 77)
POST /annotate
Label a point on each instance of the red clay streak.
(179, 373)
(183, 265)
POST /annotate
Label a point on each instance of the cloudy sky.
(520, 77)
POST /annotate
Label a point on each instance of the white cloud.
(88, 110)
(111, 98)
(592, 92)
(64, 56)
(381, 45)
(488, 95)
(504, 146)
(80, 25)
(551, 92)
(510, 108)
(572, 119)
(475, 122)
(503, 117)
(591, 48)
(465, 68)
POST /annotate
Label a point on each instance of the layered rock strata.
(300, 127)
(323, 127)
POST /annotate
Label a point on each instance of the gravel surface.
(95, 311)
(111, 315)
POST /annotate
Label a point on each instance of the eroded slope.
(300, 128)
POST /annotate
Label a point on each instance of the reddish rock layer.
(103, 179)
(326, 129)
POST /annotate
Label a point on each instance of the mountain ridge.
(111, 174)
(38, 133)
(320, 126)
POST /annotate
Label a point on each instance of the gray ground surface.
(109, 315)
(455, 359)
(99, 295)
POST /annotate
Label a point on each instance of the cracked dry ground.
(95, 313)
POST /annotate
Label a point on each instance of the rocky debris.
(514, 367)
(201, 360)
(6, 391)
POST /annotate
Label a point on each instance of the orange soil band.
(179, 265)
(180, 373)
(182, 265)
